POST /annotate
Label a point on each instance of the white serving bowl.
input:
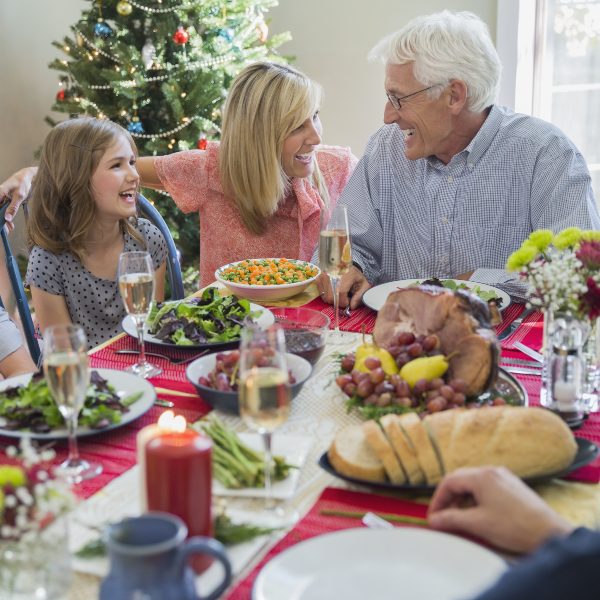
(264, 293)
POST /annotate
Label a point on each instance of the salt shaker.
(567, 370)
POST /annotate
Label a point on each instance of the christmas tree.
(161, 68)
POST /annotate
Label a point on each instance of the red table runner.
(314, 524)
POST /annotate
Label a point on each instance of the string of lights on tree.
(161, 68)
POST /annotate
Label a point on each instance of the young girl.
(82, 215)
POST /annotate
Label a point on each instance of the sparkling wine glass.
(136, 284)
(68, 376)
(264, 393)
(335, 258)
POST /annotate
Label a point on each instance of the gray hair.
(446, 46)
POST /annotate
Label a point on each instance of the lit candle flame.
(169, 422)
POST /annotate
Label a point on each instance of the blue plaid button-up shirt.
(421, 218)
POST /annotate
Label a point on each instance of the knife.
(529, 351)
(522, 370)
(515, 324)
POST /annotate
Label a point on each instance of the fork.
(173, 361)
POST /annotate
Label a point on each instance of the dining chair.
(148, 211)
(16, 283)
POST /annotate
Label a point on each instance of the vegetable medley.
(269, 271)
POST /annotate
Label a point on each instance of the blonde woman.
(260, 191)
(82, 215)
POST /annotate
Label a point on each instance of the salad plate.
(376, 296)
(125, 385)
(385, 564)
(264, 319)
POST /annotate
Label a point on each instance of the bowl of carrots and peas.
(267, 279)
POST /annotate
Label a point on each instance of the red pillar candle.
(179, 481)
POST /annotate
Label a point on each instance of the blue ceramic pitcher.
(148, 559)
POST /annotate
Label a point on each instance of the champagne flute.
(68, 376)
(136, 284)
(335, 258)
(264, 394)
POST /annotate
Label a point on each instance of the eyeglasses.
(397, 102)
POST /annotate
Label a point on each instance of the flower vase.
(591, 355)
(37, 565)
(546, 351)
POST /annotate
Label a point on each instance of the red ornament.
(181, 36)
(60, 95)
(202, 143)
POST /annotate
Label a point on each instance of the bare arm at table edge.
(493, 504)
(16, 187)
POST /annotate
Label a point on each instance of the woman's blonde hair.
(266, 102)
(61, 208)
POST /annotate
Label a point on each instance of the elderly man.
(453, 183)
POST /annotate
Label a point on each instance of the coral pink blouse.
(192, 178)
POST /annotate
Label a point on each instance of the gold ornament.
(262, 31)
(79, 39)
(124, 8)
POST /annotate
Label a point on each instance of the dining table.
(317, 413)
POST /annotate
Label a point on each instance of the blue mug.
(148, 559)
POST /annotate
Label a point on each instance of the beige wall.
(331, 40)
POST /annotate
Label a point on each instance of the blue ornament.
(101, 29)
(135, 127)
(226, 33)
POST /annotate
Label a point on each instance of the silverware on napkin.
(529, 351)
(522, 370)
(515, 324)
(174, 361)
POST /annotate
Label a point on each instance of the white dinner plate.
(384, 564)
(376, 296)
(264, 320)
(124, 383)
(294, 448)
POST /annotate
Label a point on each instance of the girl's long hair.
(61, 208)
(266, 102)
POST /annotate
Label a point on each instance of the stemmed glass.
(136, 284)
(264, 393)
(68, 376)
(335, 258)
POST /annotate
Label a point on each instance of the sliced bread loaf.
(418, 437)
(352, 456)
(382, 447)
(405, 452)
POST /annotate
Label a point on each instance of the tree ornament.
(148, 54)
(202, 142)
(135, 126)
(124, 8)
(263, 31)
(181, 36)
(79, 39)
(60, 95)
(102, 29)
(226, 33)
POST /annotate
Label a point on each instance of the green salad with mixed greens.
(207, 319)
(31, 407)
(452, 284)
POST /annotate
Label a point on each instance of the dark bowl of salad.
(215, 378)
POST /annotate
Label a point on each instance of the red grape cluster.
(378, 389)
(225, 377)
(406, 346)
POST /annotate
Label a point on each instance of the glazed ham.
(459, 319)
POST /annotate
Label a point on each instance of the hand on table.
(16, 188)
(500, 509)
(352, 287)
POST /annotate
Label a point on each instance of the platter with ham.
(433, 359)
